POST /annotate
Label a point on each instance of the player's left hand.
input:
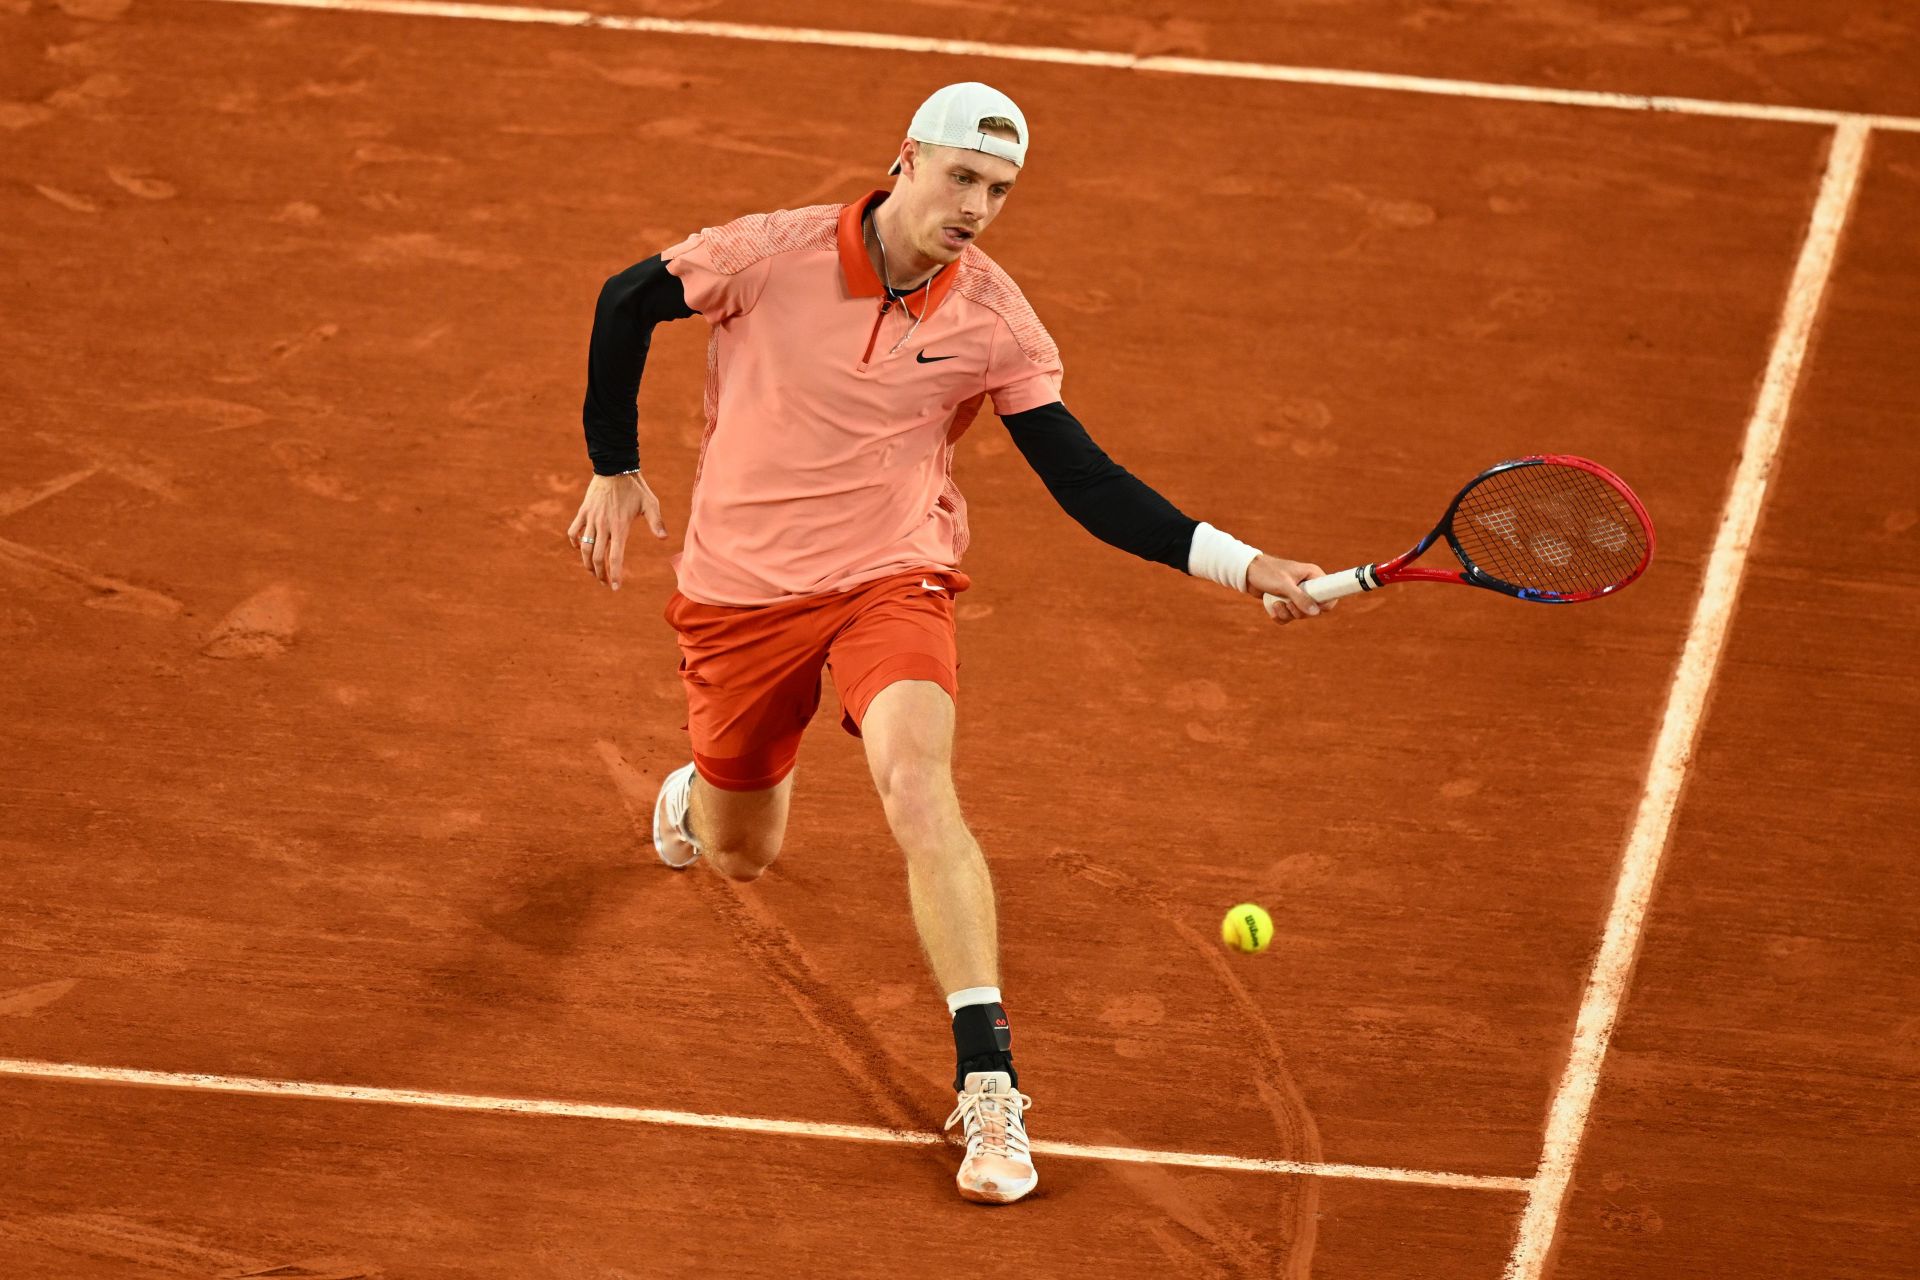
(599, 529)
(1270, 575)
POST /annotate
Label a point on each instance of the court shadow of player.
(893, 1096)
(551, 915)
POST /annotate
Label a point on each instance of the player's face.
(953, 196)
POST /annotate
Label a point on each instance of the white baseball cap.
(952, 116)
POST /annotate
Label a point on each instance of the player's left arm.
(1123, 511)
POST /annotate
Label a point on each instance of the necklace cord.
(886, 282)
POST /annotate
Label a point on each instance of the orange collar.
(856, 268)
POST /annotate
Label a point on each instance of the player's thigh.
(752, 680)
(908, 733)
(903, 631)
(908, 729)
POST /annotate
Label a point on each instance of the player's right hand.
(1278, 582)
(599, 529)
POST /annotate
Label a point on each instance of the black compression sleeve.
(631, 303)
(1108, 500)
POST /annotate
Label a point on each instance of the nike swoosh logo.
(924, 358)
(924, 584)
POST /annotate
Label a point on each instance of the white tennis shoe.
(998, 1168)
(671, 840)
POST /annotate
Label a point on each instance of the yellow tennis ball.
(1247, 928)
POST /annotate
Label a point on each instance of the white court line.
(1686, 707)
(69, 1071)
(1324, 76)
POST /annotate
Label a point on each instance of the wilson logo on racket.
(1550, 528)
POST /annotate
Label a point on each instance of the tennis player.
(851, 347)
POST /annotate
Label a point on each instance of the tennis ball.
(1247, 928)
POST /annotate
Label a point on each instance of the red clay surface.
(331, 765)
(1758, 1115)
(1850, 55)
(254, 1185)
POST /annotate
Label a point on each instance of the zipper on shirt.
(874, 337)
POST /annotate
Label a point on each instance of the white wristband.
(1220, 557)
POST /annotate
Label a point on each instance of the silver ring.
(586, 542)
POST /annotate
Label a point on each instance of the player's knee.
(743, 860)
(920, 804)
(738, 871)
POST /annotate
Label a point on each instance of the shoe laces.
(993, 1120)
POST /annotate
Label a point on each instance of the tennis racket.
(1549, 528)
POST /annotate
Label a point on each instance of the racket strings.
(1550, 527)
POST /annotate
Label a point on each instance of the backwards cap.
(952, 116)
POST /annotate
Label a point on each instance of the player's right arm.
(1110, 502)
(631, 303)
(1123, 511)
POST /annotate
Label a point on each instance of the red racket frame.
(1399, 569)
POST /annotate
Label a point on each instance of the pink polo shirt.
(828, 455)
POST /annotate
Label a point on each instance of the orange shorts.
(753, 675)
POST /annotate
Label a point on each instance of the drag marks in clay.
(141, 475)
(128, 180)
(91, 1239)
(1300, 425)
(1298, 1136)
(102, 592)
(94, 10)
(67, 200)
(24, 1002)
(261, 626)
(137, 184)
(21, 497)
(303, 461)
(844, 1035)
(87, 98)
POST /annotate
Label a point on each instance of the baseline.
(79, 1072)
(1219, 69)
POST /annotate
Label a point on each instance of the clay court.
(330, 942)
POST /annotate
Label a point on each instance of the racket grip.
(1347, 582)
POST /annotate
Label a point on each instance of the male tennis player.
(852, 345)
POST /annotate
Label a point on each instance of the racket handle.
(1347, 582)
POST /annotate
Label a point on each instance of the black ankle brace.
(982, 1041)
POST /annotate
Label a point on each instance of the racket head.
(1551, 528)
